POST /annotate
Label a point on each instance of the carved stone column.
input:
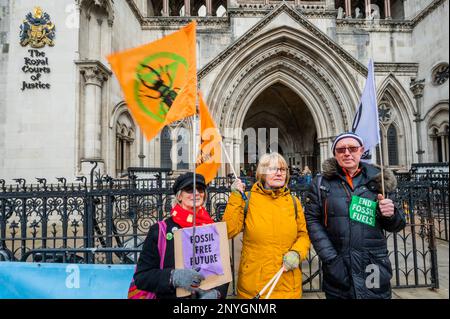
(237, 155)
(94, 74)
(208, 8)
(187, 8)
(325, 151)
(348, 8)
(228, 145)
(387, 9)
(367, 8)
(166, 10)
(417, 86)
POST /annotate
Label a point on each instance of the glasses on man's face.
(190, 190)
(351, 149)
(274, 170)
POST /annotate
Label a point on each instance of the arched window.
(440, 143)
(221, 11)
(166, 147)
(392, 145)
(446, 144)
(154, 8)
(440, 74)
(125, 136)
(438, 128)
(202, 11)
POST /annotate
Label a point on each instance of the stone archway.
(327, 86)
(279, 107)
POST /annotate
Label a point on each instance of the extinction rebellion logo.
(36, 31)
(154, 88)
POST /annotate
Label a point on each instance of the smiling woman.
(271, 218)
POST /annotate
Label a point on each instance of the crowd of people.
(344, 217)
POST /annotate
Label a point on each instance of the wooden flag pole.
(382, 165)
(228, 159)
(194, 191)
(232, 168)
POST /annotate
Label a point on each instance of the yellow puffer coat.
(270, 231)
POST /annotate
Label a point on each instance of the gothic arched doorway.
(280, 121)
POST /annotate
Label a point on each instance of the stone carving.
(440, 74)
(37, 30)
(340, 13)
(302, 21)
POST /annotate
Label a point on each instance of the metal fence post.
(432, 242)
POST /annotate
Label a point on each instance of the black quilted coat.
(354, 255)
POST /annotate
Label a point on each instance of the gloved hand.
(238, 186)
(188, 279)
(291, 260)
(208, 294)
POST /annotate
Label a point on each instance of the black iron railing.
(105, 220)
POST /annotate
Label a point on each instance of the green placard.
(363, 210)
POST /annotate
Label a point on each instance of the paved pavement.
(405, 248)
(418, 293)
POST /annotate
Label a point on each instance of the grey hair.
(175, 200)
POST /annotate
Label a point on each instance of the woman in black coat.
(163, 282)
(349, 239)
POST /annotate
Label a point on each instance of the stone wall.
(4, 48)
(39, 124)
(430, 45)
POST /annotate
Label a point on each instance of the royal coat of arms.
(37, 30)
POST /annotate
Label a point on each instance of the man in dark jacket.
(346, 217)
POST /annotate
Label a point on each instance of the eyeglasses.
(190, 190)
(273, 170)
(351, 149)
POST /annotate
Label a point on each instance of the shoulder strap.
(162, 242)
(247, 202)
(295, 205)
(319, 184)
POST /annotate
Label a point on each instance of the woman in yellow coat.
(272, 235)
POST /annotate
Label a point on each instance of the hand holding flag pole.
(244, 197)
(210, 155)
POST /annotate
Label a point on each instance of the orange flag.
(208, 162)
(159, 79)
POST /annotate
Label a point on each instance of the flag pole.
(194, 191)
(244, 197)
(380, 151)
(228, 159)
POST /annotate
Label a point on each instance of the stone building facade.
(298, 66)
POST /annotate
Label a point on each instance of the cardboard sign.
(212, 254)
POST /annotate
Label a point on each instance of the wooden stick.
(258, 295)
(275, 282)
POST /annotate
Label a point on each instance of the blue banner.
(20, 280)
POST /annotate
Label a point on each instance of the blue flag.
(365, 123)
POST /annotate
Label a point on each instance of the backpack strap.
(319, 191)
(162, 226)
(324, 205)
(247, 202)
(295, 205)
